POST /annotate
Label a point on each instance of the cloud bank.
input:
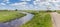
(35, 5)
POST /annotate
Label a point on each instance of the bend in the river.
(18, 22)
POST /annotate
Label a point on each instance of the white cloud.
(44, 4)
(22, 6)
(37, 0)
(37, 3)
(21, 3)
(2, 3)
(7, 1)
(25, 0)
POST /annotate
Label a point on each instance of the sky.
(29, 4)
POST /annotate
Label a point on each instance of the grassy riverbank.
(41, 19)
(6, 16)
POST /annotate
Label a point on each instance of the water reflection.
(17, 22)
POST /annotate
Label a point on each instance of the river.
(18, 22)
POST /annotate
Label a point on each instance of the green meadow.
(6, 16)
(40, 19)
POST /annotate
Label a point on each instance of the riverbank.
(6, 16)
(18, 22)
(40, 19)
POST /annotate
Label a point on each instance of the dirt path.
(55, 19)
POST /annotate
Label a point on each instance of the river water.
(18, 22)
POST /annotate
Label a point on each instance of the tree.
(16, 10)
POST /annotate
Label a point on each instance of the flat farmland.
(6, 16)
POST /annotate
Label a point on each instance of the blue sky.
(29, 4)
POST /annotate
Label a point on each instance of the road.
(55, 19)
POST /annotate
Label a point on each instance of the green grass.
(6, 16)
(58, 11)
(41, 19)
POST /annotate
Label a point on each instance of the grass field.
(6, 16)
(58, 11)
(41, 19)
